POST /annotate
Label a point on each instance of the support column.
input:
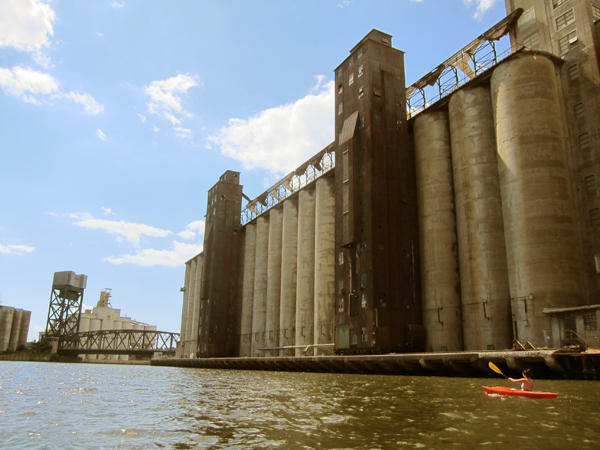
(248, 290)
(274, 280)
(485, 294)
(305, 291)
(289, 265)
(259, 310)
(437, 233)
(324, 265)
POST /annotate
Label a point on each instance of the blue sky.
(116, 117)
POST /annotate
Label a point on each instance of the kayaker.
(526, 382)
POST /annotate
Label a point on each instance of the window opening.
(579, 109)
(557, 3)
(351, 79)
(565, 19)
(595, 216)
(590, 322)
(340, 108)
(584, 140)
(360, 70)
(574, 71)
(566, 42)
(526, 20)
(590, 183)
(595, 12)
(532, 41)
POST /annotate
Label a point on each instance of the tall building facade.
(470, 225)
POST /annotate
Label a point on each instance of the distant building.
(104, 317)
(14, 327)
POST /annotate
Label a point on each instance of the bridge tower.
(65, 303)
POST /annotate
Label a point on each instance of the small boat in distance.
(502, 390)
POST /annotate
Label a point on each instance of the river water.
(87, 406)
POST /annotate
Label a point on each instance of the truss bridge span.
(118, 342)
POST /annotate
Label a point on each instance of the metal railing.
(471, 61)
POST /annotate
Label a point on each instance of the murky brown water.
(80, 406)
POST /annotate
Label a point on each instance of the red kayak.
(501, 390)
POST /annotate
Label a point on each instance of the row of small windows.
(351, 61)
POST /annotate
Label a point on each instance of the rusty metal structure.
(118, 342)
(66, 300)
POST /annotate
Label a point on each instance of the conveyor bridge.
(118, 342)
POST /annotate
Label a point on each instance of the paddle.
(494, 367)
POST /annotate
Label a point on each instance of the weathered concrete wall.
(485, 296)
(248, 290)
(305, 306)
(274, 281)
(289, 267)
(259, 308)
(6, 319)
(542, 252)
(324, 265)
(437, 233)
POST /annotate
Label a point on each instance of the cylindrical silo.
(437, 233)
(289, 265)
(24, 331)
(182, 350)
(193, 333)
(485, 295)
(248, 290)
(15, 330)
(190, 352)
(305, 289)
(324, 264)
(274, 280)
(542, 250)
(6, 320)
(259, 304)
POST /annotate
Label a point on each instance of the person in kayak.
(526, 382)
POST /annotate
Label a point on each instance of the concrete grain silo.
(544, 268)
(485, 296)
(6, 320)
(440, 281)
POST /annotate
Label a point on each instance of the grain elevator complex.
(458, 222)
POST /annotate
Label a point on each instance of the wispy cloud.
(482, 6)
(142, 118)
(166, 101)
(192, 229)
(90, 105)
(108, 211)
(16, 249)
(101, 135)
(23, 82)
(118, 4)
(280, 139)
(180, 253)
(128, 231)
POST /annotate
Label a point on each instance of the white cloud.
(166, 101)
(16, 249)
(196, 227)
(31, 86)
(101, 135)
(151, 257)
(482, 6)
(118, 4)
(25, 24)
(155, 128)
(130, 231)
(108, 211)
(90, 105)
(142, 118)
(23, 81)
(280, 139)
